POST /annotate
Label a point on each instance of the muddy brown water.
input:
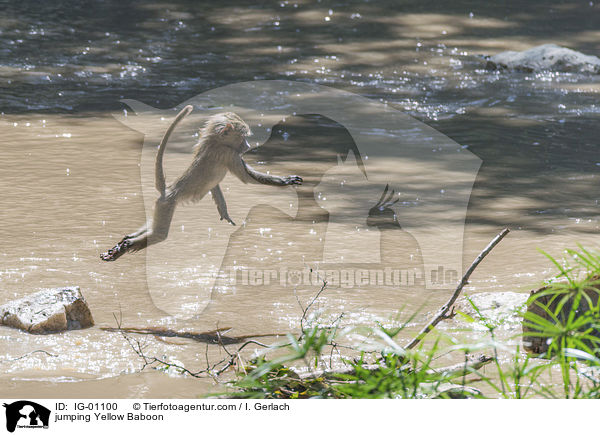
(70, 173)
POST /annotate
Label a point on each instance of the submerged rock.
(48, 311)
(457, 391)
(547, 57)
(496, 306)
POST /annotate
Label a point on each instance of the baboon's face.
(235, 139)
(234, 133)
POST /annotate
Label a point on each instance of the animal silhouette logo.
(430, 174)
(26, 414)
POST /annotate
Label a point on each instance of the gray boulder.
(547, 57)
(535, 333)
(48, 311)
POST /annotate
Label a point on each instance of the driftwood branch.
(443, 312)
(461, 369)
(449, 372)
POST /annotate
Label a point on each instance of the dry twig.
(443, 312)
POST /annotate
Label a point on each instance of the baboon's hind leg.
(115, 252)
(124, 245)
(163, 214)
(137, 233)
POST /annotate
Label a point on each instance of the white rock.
(47, 311)
(456, 391)
(547, 57)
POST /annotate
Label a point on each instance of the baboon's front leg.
(219, 199)
(163, 214)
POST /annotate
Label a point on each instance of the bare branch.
(443, 312)
(310, 304)
(449, 372)
(461, 369)
(29, 354)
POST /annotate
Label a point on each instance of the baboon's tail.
(160, 175)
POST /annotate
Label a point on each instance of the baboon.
(220, 148)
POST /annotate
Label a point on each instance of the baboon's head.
(228, 129)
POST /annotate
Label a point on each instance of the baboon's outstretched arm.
(247, 174)
(219, 199)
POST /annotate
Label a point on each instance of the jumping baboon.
(220, 148)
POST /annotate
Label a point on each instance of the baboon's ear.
(227, 128)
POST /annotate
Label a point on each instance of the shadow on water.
(545, 173)
(209, 337)
(64, 57)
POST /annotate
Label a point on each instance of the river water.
(73, 178)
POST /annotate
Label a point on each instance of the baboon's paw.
(108, 255)
(293, 179)
(228, 219)
(116, 252)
